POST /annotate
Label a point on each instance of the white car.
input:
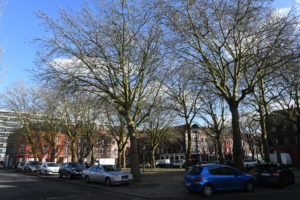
(249, 163)
(107, 174)
(49, 168)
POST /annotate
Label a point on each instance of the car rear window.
(75, 165)
(194, 170)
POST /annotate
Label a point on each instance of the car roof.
(211, 165)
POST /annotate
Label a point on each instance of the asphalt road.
(162, 185)
(18, 186)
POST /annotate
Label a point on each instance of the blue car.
(211, 177)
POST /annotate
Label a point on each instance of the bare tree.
(185, 96)
(214, 114)
(251, 134)
(117, 129)
(92, 124)
(156, 127)
(49, 127)
(26, 102)
(289, 101)
(112, 50)
(72, 118)
(235, 43)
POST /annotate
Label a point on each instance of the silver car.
(49, 168)
(107, 174)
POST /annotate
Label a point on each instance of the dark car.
(274, 174)
(210, 178)
(32, 166)
(71, 170)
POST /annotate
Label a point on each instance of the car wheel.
(40, 172)
(249, 187)
(69, 176)
(87, 179)
(60, 175)
(207, 190)
(107, 182)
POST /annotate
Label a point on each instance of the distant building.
(203, 148)
(106, 147)
(285, 134)
(8, 123)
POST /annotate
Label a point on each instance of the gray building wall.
(8, 123)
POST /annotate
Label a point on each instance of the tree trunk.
(92, 155)
(264, 135)
(119, 160)
(152, 163)
(124, 158)
(53, 152)
(73, 150)
(189, 144)
(219, 147)
(236, 132)
(34, 152)
(134, 158)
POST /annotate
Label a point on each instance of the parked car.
(32, 166)
(107, 174)
(71, 170)
(249, 163)
(211, 177)
(49, 168)
(20, 166)
(274, 174)
(163, 163)
(178, 164)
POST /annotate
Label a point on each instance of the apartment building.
(8, 123)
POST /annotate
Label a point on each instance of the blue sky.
(19, 26)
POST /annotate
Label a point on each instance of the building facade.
(8, 123)
(285, 134)
(203, 146)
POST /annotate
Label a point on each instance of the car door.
(217, 178)
(64, 168)
(100, 174)
(234, 178)
(92, 173)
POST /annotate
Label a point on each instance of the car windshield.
(111, 168)
(75, 165)
(22, 164)
(194, 170)
(52, 165)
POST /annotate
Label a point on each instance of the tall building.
(8, 123)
